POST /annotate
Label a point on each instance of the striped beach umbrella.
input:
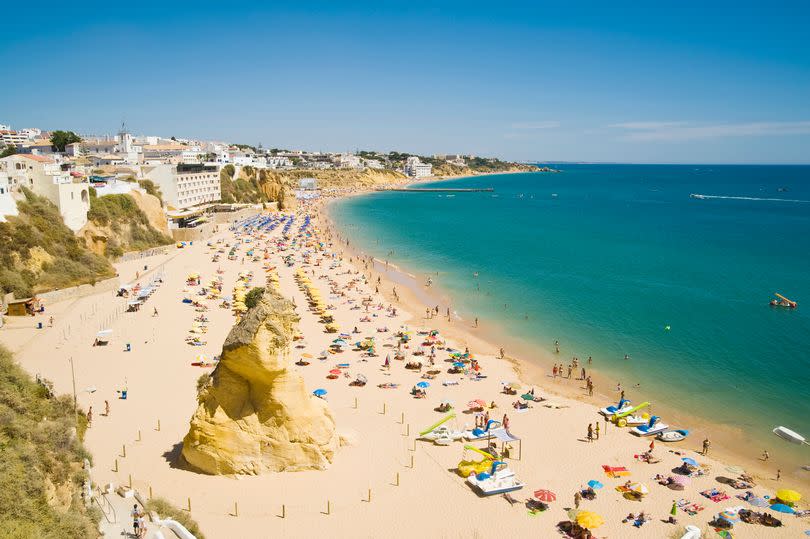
(544, 495)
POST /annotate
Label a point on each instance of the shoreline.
(536, 372)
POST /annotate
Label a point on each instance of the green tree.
(9, 150)
(60, 139)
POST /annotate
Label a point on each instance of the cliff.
(256, 415)
(129, 222)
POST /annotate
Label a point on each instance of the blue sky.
(576, 81)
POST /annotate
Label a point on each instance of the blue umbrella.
(319, 392)
(782, 508)
(458, 364)
(594, 484)
(690, 461)
(423, 385)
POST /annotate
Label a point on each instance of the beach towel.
(615, 471)
(715, 495)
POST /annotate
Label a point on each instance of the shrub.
(253, 297)
(166, 510)
(39, 448)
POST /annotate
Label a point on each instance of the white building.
(186, 185)
(42, 175)
(417, 169)
(9, 137)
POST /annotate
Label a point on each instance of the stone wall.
(83, 290)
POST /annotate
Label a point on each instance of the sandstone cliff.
(256, 415)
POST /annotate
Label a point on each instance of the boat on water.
(499, 480)
(673, 435)
(695, 195)
(789, 435)
(782, 301)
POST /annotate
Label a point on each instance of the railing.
(102, 502)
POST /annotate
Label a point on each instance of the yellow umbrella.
(787, 495)
(639, 488)
(589, 519)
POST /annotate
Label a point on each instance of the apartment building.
(186, 185)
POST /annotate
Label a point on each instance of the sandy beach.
(385, 481)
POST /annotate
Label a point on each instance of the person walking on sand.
(590, 432)
(590, 388)
(765, 455)
(569, 371)
(577, 499)
(106, 409)
(706, 445)
(778, 475)
(89, 416)
(476, 321)
(596, 430)
(50, 322)
(554, 371)
(583, 374)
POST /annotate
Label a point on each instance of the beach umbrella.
(362, 378)
(639, 488)
(544, 495)
(589, 519)
(335, 371)
(690, 461)
(308, 356)
(423, 385)
(527, 397)
(782, 508)
(788, 496)
(319, 392)
(674, 510)
(202, 358)
(339, 342)
(458, 364)
(594, 484)
(477, 403)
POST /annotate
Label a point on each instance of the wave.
(695, 195)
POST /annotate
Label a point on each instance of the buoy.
(667, 327)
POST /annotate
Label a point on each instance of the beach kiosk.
(21, 307)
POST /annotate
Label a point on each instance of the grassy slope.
(38, 252)
(41, 456)
(128, 225)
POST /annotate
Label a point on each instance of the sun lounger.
(615, 471)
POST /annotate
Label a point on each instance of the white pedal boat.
(620, 408)
(443, 435)
(498, 482)
(653, 427)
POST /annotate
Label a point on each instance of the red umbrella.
(545, 495)
(334, 371)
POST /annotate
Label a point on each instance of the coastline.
(729, 444)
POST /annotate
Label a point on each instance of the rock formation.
(256, 415)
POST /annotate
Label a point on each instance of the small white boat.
(789, 435)
(653, 427)
(701, 197)
(673, 435)
(502, 479)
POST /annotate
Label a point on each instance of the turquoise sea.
(605, 258)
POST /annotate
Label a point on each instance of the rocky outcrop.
(256, 415)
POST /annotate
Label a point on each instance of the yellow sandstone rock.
(256, 415)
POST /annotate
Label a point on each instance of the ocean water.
(623, 261)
